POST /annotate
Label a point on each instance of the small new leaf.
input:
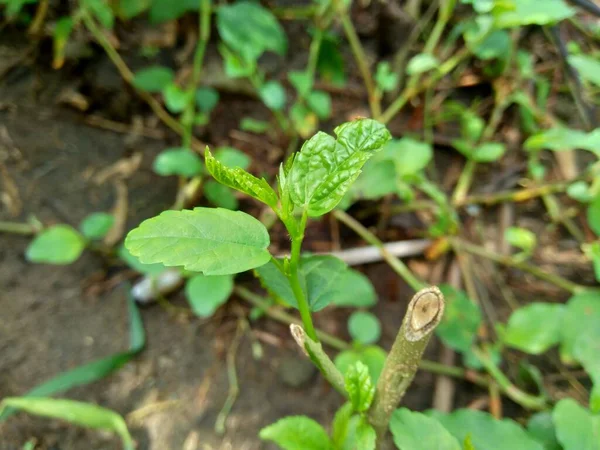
(325, 167)
(241, 180)
(359, 386)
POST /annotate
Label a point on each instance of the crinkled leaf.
(96, 225)
(529, 12)
(297, 433)
(214, 241)
(581, 315)
(535, 328)
(461, 320)
(364, 327)
(206, 293)
(325, 168)
(250, 29)
(359, 386)
(82, 414)
(372, 356)
(153, 79)
(220, 195)
(177, 161)
(60, 244)
(576, 428)
(241, 180)
(415, 430)
(541, 427)
(486, 433)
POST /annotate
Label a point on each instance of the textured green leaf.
(273, 95)
(423, 62)
(325, 168)
(206, 293)
(587, 66)
(96, 225)
(241, 180)
(535, 328)
(364, 327)
(153, 79)
(486, 433)
(297, 433)
(82, 414)
(541, 427)
(581, 315)
(461, 320)
(220, 195)
(576, 428)
(372, 356)
(60, 244)
(359, 386)
(529, 12)
(249, 29)
(177, 161)
(414, 430)
(214, 241)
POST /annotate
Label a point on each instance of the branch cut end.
(425, 312)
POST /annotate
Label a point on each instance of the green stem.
(445, 12)
(399, 267)
(18, 228)
(464, 182)
(301, 299)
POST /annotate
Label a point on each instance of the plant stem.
(301, 299)
(464, 182)
(203, 36)
(424, 313)
(521, 195)
(18, 228)
(444, 14)
(360, 57)
(398, 266)
(513, 392)
(557, 280)
(315, 352)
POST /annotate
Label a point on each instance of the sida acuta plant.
(219, 242)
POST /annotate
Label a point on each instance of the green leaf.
(341, 424)
(250, 30)
(593, 215)
(153, 79)
(587, 352)
(241, 180)
(541, 427)
(60, 244)
(304, 120)
(364, 327)
(206, 99)
(206, 293)
(582, 314)
(220, 195)
(592, 251)
(588, 67)
(595, 399)
(94, 370)
(461, 320)
(409, 155)
(235, 66)
(528, 12)
(134, 263)
(423, 62)
(254, 126)
(494, 45)
(377, 179)
(521, 238)
(232, 157)
(164, 10)
(302, 81)
(565, 139)
(325, 168)
(82, 414)
(96, 225)
(176, 98)
(359, 386)
(325, 280)
(414, 430)
(486, 433)
(214, 241)
(365, 437)
(297, 433)
(576, 428)
(128, 9)
(178, 161)
(330, 63)
(320, 103)
(372, 356)
(101, 11)
(273, 95)
(488, 152)
(535, 328)
(384, 77)
(580, 191)
(60, 37)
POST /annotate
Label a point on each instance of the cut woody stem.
(424, 313)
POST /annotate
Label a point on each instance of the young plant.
(220, 243)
